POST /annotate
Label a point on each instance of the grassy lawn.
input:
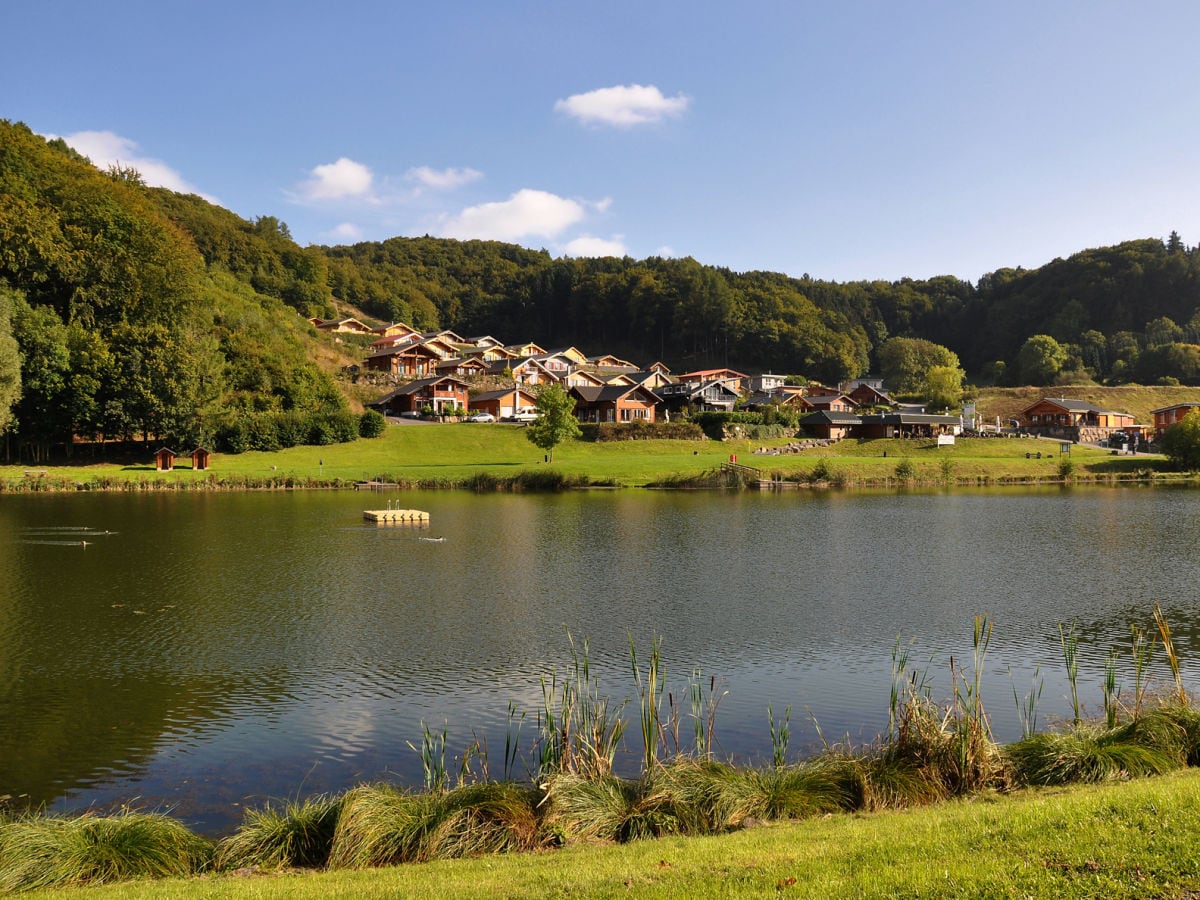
(1131, 839)
(451, 452)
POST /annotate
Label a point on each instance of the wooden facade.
(614, 403)
(164, 459)
(438, 394)
(504, 403)
(1167, 416)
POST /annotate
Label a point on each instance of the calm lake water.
(205, 652)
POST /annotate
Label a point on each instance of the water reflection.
(218, 649)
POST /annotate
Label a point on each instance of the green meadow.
(449, 454)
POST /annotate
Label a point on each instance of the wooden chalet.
(703, 395)
(866, 395)
(614, 403)
(1167, 416)
(523, 370)
(504, 403)
(1063, 413)
(342, 326)
(465, 367)
(529, 348)
(831, 402)
(765, 383)
(396, 330)
(439, 394)
(406, 359)
(732, 379)
(580, 378)
(907, 425)
(829, 425)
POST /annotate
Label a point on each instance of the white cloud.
(665, 252)
(444, 179)
(623, 105)
(338, 180)
(105, 148)
(527, 213)
(594, 246)
(346, 231)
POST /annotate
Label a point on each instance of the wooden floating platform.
(396, 516)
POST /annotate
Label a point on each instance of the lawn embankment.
(1136, 399)
(451, 455)
(1131, 839)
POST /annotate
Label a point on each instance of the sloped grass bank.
(1138, 839)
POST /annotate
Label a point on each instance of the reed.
(299, 833)
(433, 758)
(53, 852)
(579, 731)
(1164, 630)
(704, 711)
(650, 691)
(1068, 640)
(1027, 705)
(1142, 651)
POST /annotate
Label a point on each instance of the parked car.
(481, 417)
(411, 414)
(522, 417)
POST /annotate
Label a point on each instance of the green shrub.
(371, 424)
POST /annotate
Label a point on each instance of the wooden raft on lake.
(396, 516)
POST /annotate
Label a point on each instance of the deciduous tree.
(556, 420)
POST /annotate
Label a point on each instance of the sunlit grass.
(446, 454)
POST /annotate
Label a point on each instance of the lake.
(205, 652)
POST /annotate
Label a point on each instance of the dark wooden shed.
(200, 458)
(164, 459)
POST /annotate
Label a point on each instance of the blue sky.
(847, 140)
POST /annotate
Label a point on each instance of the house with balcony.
(614, 403)
(439, 394)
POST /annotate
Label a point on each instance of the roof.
(496, 395)
(828, 417)
(1176, 406)
(414, 387)
(1078, 406)
(612, 392)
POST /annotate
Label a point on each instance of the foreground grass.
(1131, 839)
(432, 455)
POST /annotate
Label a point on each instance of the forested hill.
(128, 310)
(113, 324)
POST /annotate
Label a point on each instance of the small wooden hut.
(164, 459)
(200, 459)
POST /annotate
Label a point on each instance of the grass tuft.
(49, 851)
(299, 834)
(1090, 753)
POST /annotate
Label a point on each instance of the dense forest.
(135, 312)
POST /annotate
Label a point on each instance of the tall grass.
(52, 851)
(299, 833)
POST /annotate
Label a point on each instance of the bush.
(371, 424)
